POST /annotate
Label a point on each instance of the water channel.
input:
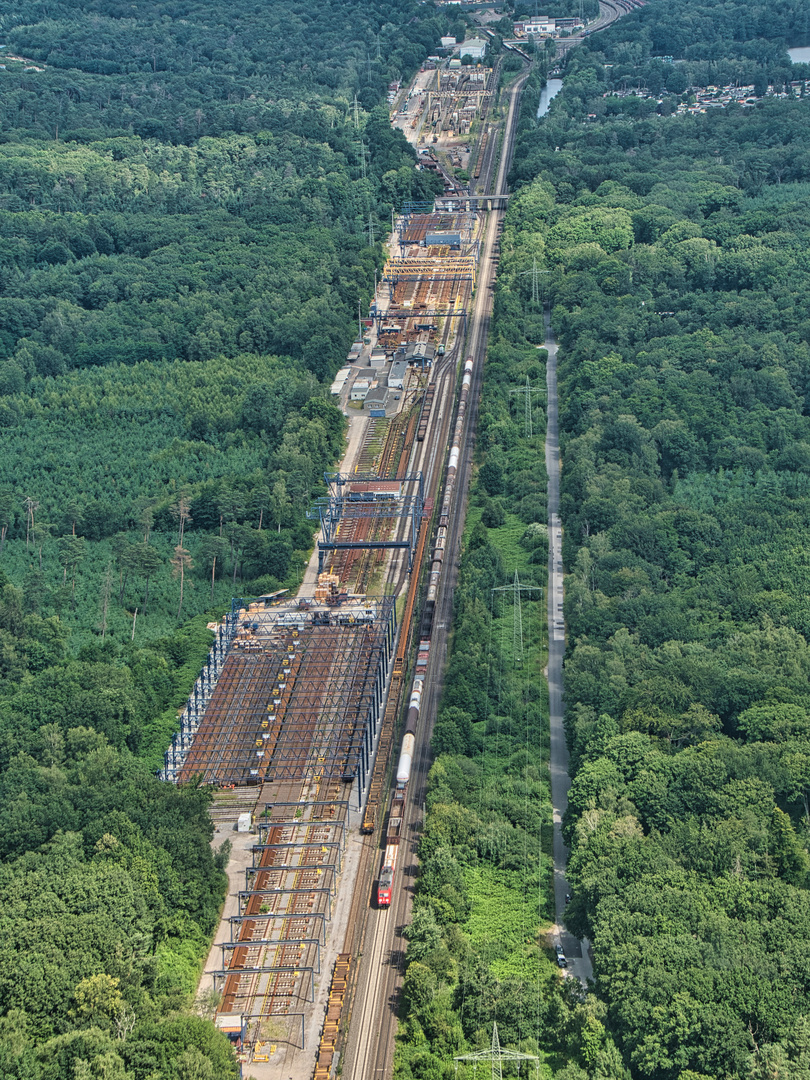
(799, 55)
(547, 94)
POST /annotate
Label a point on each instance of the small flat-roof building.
(396, 376)
(447, 239)
(360, 387)
(537, 24)
(340, 380)
(232, 1025)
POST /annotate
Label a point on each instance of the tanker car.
(395, 816)
(396, 813)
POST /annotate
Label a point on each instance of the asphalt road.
(579, 962)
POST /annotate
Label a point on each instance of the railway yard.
(295, 719)
(446, 115)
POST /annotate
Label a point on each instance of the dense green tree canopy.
(185, 199)
(679, 294)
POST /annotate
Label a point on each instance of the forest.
(191, 202)
(186, 219)
(473, 952)
(678, 286)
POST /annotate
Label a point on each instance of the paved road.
(579, 963)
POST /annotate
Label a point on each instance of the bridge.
(472, 202)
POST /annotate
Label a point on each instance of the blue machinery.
(356, 496)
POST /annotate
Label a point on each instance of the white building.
(397, 374)
(538, 24)
(360, 387)
(474, 48)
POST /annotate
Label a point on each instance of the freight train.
(447, 501)
(395, 817)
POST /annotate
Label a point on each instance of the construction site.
(294, 717)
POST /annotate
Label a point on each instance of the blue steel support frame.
(411, 208)
(376, 711)
(337, 507)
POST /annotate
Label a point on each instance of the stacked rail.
(334, 1010)
(299, 696)
(270, 963)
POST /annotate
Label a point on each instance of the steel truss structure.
(471, 202)
(435, 267)
(496, 1056)
(347, 504)
(411, 208)
(419, 294)
(326, 871)
(300, 695)
(198, 699)
(414, 228)
(277, 939)
(403, 314)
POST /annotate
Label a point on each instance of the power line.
(496, 1056)
(535, 272)
(517, 615)
(527, 392)
(362, 158)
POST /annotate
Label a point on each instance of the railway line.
(374, 1016)
(279, 961)
(609, 12)
(298, 689)
(293, 691)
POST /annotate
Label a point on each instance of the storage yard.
(446, 115)
(294, 722)
(296, 694)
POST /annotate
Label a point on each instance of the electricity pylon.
(362, 158)
(517, 616)
(496, 1056)
(535, 272)
(527, 392)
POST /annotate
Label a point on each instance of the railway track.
(373, 1025)
(374, 936)
(609, 12)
